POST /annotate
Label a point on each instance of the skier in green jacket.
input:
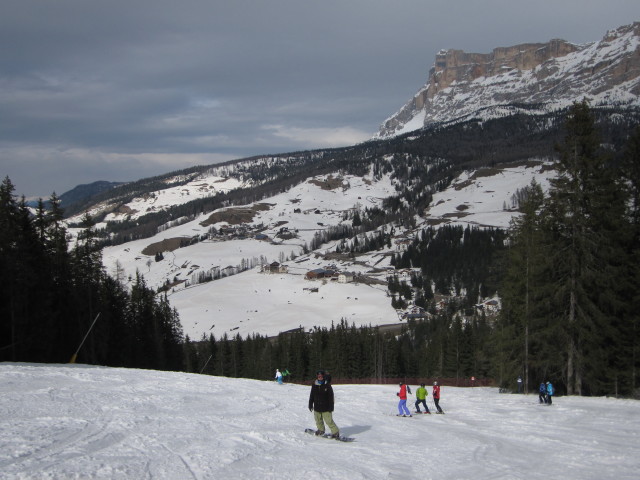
(421, 396)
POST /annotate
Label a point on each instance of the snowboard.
(341, 438)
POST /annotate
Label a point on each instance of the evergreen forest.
(50, 295)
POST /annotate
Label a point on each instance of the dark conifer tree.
(171, 334)
(627, 362)
(114, 328)
(66, 336)
(23, 282)
(88, 276)
(521, 282)
(148, 350)
(225, 362)
(9, 314)
(586, 207)
(191, 357)
(210, 356)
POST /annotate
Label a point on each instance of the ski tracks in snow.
(90, 422)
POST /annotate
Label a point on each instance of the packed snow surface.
(78, 421)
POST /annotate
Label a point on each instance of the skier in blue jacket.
(542, 393)
(550, 392)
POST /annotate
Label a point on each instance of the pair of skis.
(415, 414)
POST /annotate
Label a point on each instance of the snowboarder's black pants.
(549, 399)
(436, 402)
(424, 402)
(543, 398)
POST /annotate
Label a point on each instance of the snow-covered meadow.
(268, 304)
(86, 422)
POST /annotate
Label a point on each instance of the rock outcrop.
(534, 77)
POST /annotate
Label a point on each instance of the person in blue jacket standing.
(550, 392)
(542, 393)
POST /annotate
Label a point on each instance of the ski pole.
(206, 363)
(75, 355)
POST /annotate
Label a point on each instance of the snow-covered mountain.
(531, 78)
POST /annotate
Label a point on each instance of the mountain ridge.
(551, 75)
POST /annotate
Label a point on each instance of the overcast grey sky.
(120, 90)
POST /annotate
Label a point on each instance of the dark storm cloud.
(119, 90)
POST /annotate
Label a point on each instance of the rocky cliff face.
(533, 76)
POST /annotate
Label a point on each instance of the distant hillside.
(456, 147)
(81, 193)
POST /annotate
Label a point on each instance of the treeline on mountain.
(126, 192)
(361, 236)
(50, 295)
(443, 347)
(453, 261)
(81, 193)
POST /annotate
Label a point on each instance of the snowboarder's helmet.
(547, 383)
(320, 372)
(422, 384)
(435, 383)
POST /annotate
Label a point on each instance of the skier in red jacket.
(403, 411)
(436, 396)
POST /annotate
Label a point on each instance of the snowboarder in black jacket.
(321, 404)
